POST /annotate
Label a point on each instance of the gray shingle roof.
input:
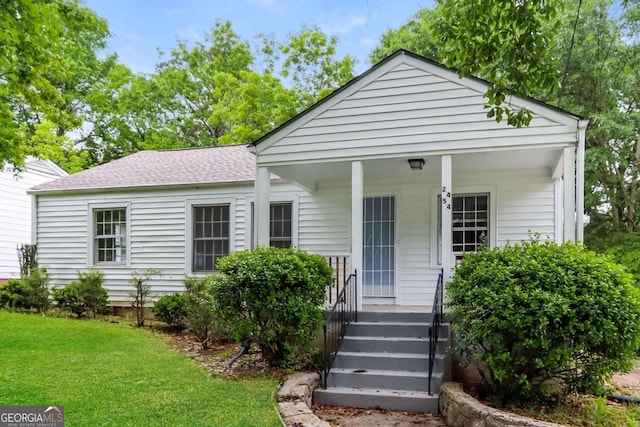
(225, 164)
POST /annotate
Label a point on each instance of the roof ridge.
(200, 148)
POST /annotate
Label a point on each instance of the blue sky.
(139, 27)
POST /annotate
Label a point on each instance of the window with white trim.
(469, 223)
(110, 235)
(280, 224)
(211, 240)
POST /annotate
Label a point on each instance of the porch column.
(447, 195)
(569, 159)
(582, 130)
(558, 207)
(261, 208)
(357, 194)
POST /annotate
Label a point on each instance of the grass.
(107, 374)
(588, 411)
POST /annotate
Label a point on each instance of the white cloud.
(342, 25)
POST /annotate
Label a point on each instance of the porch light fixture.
(416, 164)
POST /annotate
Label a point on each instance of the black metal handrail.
(343, 312)
(437, 315)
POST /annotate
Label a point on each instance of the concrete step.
(388, 329)
(413, 362)
(392, 400)
(383, 379)
(391, 344)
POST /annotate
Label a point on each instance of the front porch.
(398, 229)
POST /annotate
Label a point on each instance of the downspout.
(582, 130)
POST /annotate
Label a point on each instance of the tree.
(47, 63)
(310, 64)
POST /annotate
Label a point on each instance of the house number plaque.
(446, 198)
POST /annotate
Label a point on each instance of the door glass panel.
(378, 246)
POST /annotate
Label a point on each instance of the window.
(210, 236)
(469, 223)
(110, 235)
(280, 225)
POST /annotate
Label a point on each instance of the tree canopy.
(62, 98)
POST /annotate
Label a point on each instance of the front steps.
(383, 362)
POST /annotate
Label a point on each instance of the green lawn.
(107, 374)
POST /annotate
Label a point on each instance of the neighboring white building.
(15, 209)
(334, 180)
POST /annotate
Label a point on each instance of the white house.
(16, 209)
(334, 180)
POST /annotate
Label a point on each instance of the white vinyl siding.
(16, 212)
(410, 107)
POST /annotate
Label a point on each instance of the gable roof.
(161, 168)
(340, 92)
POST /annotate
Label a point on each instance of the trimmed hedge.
(542, 320)
(273, 297)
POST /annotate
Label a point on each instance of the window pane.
(457, 204)
(280, 225)
(210, 236)
(470, 226)
(110, 230)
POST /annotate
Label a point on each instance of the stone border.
(294, 400)
(458, 409)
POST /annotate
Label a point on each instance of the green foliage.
(272, 297)
(31, 291)
(84, 295)
(14, 294)
(535, 314)
(202, 315)
(47, 61)
(417, 36)
(171, 309)
(509, 44)
(37, 283)
(141, 294)
(310, 63)
(622, 247)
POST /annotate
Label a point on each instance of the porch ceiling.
(310, 173)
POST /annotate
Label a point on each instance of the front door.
(378, 246)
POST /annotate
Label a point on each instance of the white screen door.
(378, 246)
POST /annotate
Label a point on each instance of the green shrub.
(201, 312)
(171, 309)
(141, 293)
(538, 316)
(31, 291)
(37, 282)
(14, 294)
(85, 295)
(272, 297)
